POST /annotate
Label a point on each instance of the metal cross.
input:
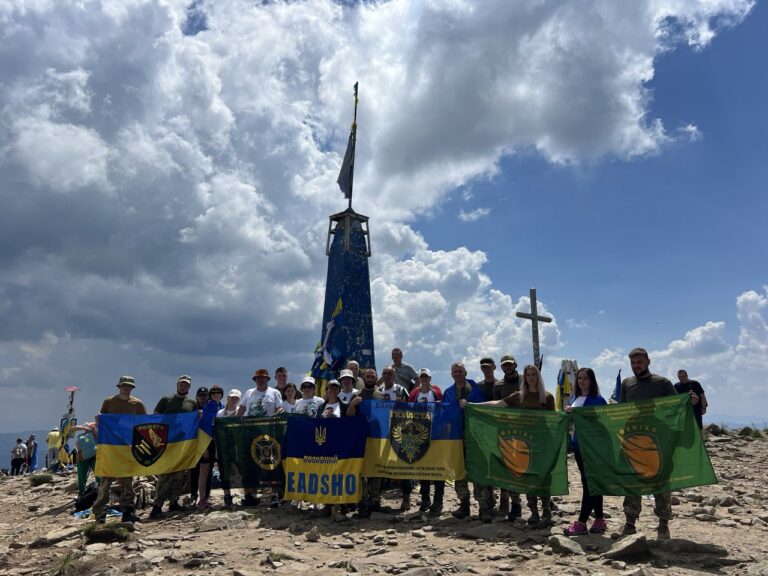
(535, 319)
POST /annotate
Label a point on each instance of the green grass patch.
(40, 479)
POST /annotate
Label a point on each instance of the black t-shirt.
(691, 386)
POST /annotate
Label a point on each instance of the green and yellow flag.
(521, 450)
(642, 447)
(249, 451)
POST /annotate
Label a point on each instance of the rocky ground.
(720, 529)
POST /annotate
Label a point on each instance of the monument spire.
(347, 327)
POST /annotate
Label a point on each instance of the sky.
(167, 170)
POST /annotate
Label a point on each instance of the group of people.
(24, 456)
(399, 382)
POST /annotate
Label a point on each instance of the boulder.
(746, 431)
(635, 545)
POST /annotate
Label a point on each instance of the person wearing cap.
(645, 386)
(122, 403)
(333, 407)
(504, 387)
(428, 392)
(462, 390)
(348, 390)
(354, 366)
(309, 404)
(170, 486)
(233, 403)
(405, 374)
(488, 383)
(261, 401)
(52, 441)
(229, 410)
(201, 475)
(511, 381)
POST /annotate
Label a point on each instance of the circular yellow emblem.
(265, 451)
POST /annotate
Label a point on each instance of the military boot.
(504, 503)
(425, 503)
(462, 511)
(515, 512)
(129, 515)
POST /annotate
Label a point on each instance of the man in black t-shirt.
(686, 386)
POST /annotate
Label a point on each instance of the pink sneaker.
(598, 526)
(203, 504)
(576, 529)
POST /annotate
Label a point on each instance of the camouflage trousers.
(662, 508)
(127, 495)
(483, 494)
(170, 487)
(371, 490)
(486, 498)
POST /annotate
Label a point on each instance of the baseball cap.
(126, 380)
(235, 392)
(202, 391)
(425, 371)
(334, 383)
(487, 361)
(184, 378)
(508, 359)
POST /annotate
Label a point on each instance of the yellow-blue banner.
(324, 459)
(418, 441)
(131, 445)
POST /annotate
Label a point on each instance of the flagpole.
(354, 145)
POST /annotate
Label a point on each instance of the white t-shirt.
(336, 407)
(308, 406)
(223, 413)
(263, 404)
(288, 407)
(397, 392)
(425, 396)
(346, 397)
(578, 402)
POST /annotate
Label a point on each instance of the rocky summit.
(719, 529)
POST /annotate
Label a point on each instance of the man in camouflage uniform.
(645, 386)
(507, 386)
(171, 486)
(121, 403)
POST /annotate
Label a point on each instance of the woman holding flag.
(587, 394)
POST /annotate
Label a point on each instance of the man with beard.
(645, 386)
(507, 386)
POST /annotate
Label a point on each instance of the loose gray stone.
(313, 535)
(634, 545)
(565, 546)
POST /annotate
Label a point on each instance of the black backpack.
(88, 498)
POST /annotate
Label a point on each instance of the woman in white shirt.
(309, 403)
(289, 398)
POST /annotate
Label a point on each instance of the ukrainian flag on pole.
(130, 445)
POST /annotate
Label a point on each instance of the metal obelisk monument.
(347, 331)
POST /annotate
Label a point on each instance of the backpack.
(88, 498)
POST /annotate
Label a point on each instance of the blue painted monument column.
(347, 330)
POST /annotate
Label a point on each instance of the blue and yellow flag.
(411, 440)
(324, 459)
(131, 445)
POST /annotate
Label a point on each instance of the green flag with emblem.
(249, 451)
(521, 450)
(644, 447)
